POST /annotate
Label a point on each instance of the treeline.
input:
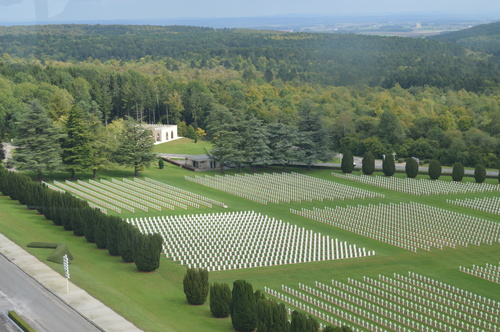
(73, 214)
(333, 59)
(249, 309)
(422, 122)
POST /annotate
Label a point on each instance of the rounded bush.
(435, 169)
(458, 172)
(480, 173)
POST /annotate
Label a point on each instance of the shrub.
(161, 163)
(435, 169)
(271, 316)
(347, 164)
(220, 300)
(480, 173)
(388, 165)
(196, 286)
(243, 307)
(368, 166)
(458, 172)
(411, 168)
(148, 251)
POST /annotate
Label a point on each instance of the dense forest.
(422, 98)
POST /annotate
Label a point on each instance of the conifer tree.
(243, 307)
(411, 168)
(220, 299)
(196, 286)
(480, 173)
(368, 166)
(347, 164)
(388, 165)
(37, 140)
(435, 169)
(76, 145)
(458, 172)
(127, 239)
(101, 232)
(90, 217)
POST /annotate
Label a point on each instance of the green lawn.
(183, 146)
(155, 301)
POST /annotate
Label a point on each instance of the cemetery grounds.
(155, 301)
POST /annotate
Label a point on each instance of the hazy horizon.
(97, 11)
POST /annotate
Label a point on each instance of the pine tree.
(388, 165)
(220, 300)
(243, 307)
(458, 172)
(347, 164)
(147, 254)
(136, 148)
(480, 173)
(411, 168)
(368, 166)
(435, 169)
(196, 286)
(37, 141)
(76, 146)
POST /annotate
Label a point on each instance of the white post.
(66, 272)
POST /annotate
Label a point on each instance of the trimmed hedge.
(57, 255)
(20, 322)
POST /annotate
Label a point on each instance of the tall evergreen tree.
(435, 169)
(388, 165)
(136, 148)
(368, 166)
(457, 173)
(347, 164)
(411, 168)
(243, 307)
(480, 173)
(101, 231)
(220, 299)
(127, 240)
(271, 316)
(37, 140)
(256, 143)
(196, 286)
(76, 146)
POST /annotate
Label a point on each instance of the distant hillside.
(484, 38)
(332, 59)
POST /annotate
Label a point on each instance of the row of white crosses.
(95, 197)
(420, 186)
(184, 194)
(489, 272)
(402, 303)
(410, 226)
(282, 187)
(245, 239)
(129, 195)
(486, 204)
(103, 206)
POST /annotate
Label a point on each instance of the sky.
(12, 11)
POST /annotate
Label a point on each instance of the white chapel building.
(162, 133)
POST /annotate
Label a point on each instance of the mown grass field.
(155, 301)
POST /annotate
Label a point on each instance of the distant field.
(183, 146)
(155, 301)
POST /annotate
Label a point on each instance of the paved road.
(38, 307)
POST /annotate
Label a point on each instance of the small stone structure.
(163, 133)
(202, 161)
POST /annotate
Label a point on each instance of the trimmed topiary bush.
(161, 163)
(411, 168)
(147, 252)
(480, 173)
(347, 164)
(435, 169)
(388, 165)
(196, 286)
(368, 166)
(243, 307)
(458, 172)
(220, 300)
